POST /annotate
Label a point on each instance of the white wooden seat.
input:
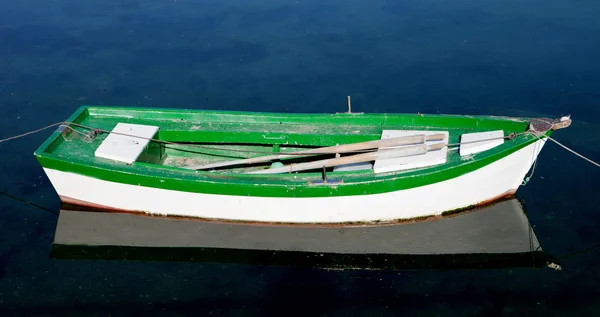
(472, 143)
(124, 148)
(409, 162)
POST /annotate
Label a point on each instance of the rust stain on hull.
(84, 206)
(506, 195)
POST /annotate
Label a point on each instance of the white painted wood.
(336, 149)
(413, 150)
(480, 185)
(409, 162)
(353, 167)
(478, 142)
(124, 148)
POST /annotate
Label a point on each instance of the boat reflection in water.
(494, 236)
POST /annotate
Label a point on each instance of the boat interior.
(247, 143)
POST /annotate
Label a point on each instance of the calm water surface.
(534, 58)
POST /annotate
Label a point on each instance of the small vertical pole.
(324, 174)
(349, 105)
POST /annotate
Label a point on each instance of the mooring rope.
(566, 148)
(535, 160)
(530, 233)
(29, 203)
(566, 256)
(95, 131)
(66, 124)
(31, 132)
(570, 150)
(98, 131)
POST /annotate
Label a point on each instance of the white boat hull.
(486, 184)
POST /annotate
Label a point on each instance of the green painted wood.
(262, 132)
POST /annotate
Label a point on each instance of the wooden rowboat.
(343, 168)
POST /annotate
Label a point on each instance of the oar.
(344, 148)
(364, 157)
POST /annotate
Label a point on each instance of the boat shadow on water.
(497, 235)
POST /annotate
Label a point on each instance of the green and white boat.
(343, 168)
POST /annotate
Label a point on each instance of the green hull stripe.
(54, 153)
(223, 184)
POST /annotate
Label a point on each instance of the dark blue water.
(507, 57)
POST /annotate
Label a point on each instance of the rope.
(530, 233)
(535, 160)
(95, 131)
(31, 132)
(29, 203)
(98, 131)
(553, 265)
(568, 149)
(528, 178)
(579, 252)
(510, 137)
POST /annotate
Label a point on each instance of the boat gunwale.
(272, 114)
(122, 168)
(150, 173)
(87, 110)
